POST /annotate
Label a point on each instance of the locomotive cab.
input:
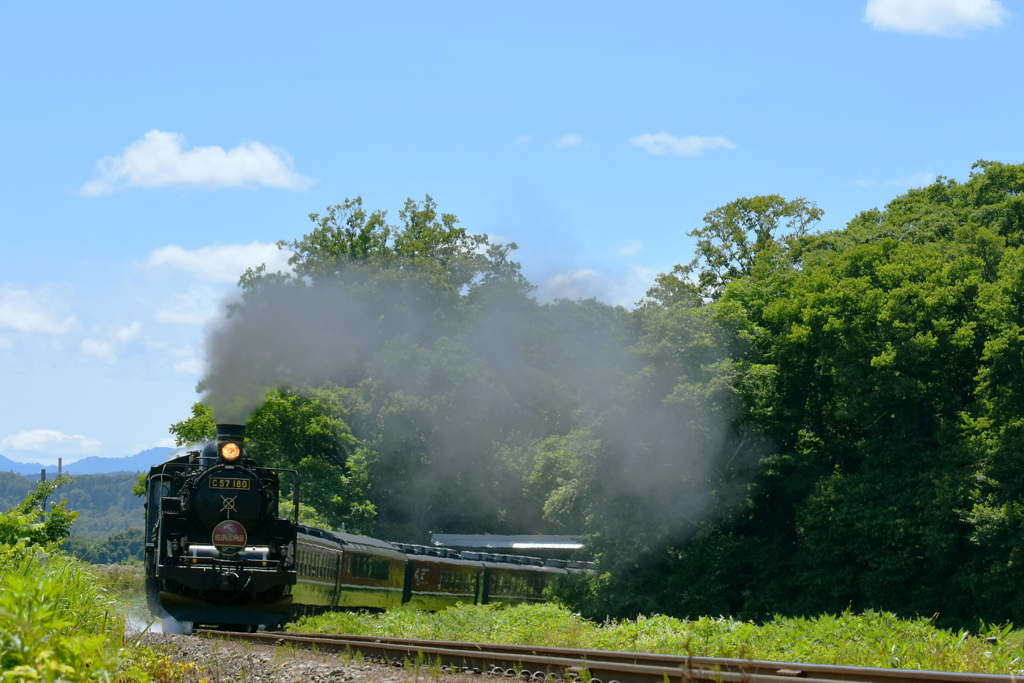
(217, 549)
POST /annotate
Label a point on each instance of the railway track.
(597, 666)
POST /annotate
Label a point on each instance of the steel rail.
(541, 663)
(833, 672)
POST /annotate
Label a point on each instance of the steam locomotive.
(219, 553)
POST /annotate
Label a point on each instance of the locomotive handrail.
(295, 488)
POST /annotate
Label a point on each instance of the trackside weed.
(870, 638)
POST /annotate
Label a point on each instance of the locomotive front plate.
(230, 483)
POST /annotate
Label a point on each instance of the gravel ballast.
(227, 662)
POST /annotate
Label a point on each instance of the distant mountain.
(140, 462)
(29, 469)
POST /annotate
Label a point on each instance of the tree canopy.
(791, 421)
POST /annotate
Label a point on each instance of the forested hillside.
(104, 502)
(796, 420)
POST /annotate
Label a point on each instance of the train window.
(456, 582)
(369, 567)
(510, 584)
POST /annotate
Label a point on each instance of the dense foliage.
(792, 422)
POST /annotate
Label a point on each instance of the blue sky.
(150, 152)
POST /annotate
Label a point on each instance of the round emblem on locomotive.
(229, 536)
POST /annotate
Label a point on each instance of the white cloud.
(22, 310)
(569, 140)
(934, 17)
(165, 443)
(220, 263)
(630, 248)
(128, 333)
(574, 284)
(183, 359)
(621, 287)
(194, 307)
(189, 366)
(634, 284)
(159, 159)
(109, 348)
(102, 350)
(51, 442)
(666, 144)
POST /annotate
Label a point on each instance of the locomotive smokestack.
(226, 432)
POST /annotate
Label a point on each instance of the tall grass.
(56, 622)
(868, 639)
(60, 622)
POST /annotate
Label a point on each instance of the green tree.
(36, 522)
(198, 428)
(882, 372)
(426, 245)
(308, 433)
(736, 234)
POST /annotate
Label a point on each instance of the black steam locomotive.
(218, 552)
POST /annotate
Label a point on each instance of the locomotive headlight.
(230, 451)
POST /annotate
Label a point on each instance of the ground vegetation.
(873, 638)
(59, 619)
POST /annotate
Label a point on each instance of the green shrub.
(31, 523)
